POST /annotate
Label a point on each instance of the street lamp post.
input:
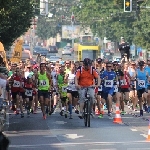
(72, 24)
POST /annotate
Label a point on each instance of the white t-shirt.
(54, 77)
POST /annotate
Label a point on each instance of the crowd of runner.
(61, 84)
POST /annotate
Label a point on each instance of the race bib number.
(109, 83)
(71, 81)
(22, 84)
(121, 82)
(141, 83)
(43, 83)
(16, 83)
(100, 88)
(64, 89)
(115, 88)
(28, 92)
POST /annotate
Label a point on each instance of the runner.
(44, 83)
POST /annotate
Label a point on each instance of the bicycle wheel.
(85, 113)
(89, 112)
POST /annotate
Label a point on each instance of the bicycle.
(87, 107)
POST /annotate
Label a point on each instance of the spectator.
(124, 49)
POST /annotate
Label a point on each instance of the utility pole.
(72, 24)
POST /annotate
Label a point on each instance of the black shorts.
(123, 90)
(64, 99)
(22, 94)
(43, 93)
(14, 94)
(30, 98)
(74, 94)
(140, 92)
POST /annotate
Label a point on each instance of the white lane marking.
(104, 149)
(133, 129)
(144, 135)
(73, 136)
(82, 143)
(60, 122)
(138, 148)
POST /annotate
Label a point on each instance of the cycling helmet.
(141, 63)
(87, 62)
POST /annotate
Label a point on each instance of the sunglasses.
(115, 64)
(108, 66)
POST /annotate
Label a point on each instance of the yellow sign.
(3, 53)
(17, 54)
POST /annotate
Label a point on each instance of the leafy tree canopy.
(15, 17)
(107, 19)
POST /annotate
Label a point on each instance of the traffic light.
(72, 19)
(127, 5)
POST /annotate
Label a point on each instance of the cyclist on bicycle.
(85, 77)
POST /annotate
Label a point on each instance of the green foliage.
(108, 19)
(15, 19)
(49, 27)
(46, 28)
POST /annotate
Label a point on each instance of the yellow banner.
(17, 53)
(3, 54)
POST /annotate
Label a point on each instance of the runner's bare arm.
(49, 77)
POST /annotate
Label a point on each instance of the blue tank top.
(141, 79)
(108, 84)
(131, 73)
(147, 68)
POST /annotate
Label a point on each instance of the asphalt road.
(60, 133)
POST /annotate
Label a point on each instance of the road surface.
(60, 133)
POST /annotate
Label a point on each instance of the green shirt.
(10, 73)
(43, 82)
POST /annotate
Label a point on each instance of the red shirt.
(126, 78)
(16, 83)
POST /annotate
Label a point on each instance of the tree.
(108, 19)
(142, 27)
(15, 19)
(45, 28)
(49, 26)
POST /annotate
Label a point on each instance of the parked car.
(49, 55)
(53, 49)
(54, 59)
(66, 51)
(36, 49)
(26, 47)
(43, 52)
